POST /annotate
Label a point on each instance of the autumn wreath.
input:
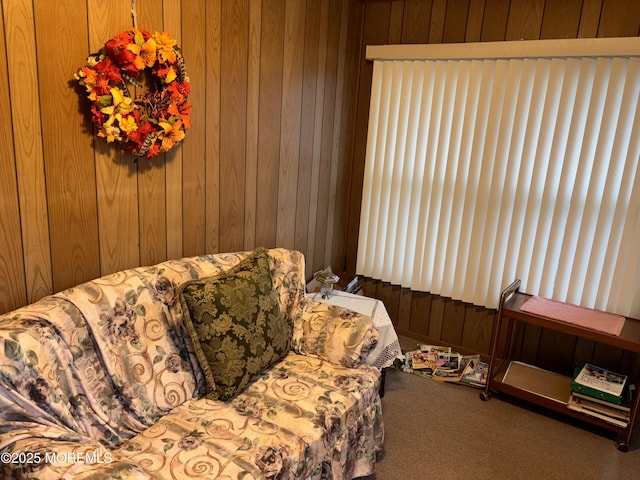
(155, 120)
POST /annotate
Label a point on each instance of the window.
(494, 161)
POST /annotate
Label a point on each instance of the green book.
(597, 382)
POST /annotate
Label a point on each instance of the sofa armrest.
(333, 333)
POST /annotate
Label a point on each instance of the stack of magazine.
(601, 393)
(441, 364)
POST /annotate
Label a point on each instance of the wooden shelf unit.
(540, 386)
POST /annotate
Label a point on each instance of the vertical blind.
(496, 161)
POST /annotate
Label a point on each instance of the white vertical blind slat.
(366, 235)
(538, 236)
(625, 286)
(421, 83)
(449, 157)
(493, 90)
(627, 150)
(465, 110)
(572, 182)
(582, 223)
(526, 221)
(412, 277)
(396, 138)
(436, 168)
(483, 79)
(408, 153)
(603, 198)
(383, 187)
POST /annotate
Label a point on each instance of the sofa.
(213, 366)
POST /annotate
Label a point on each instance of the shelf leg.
(622, 446)
(495, 336)
(485, 396)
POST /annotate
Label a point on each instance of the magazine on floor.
(443, 365)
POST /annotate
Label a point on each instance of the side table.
(388, 347)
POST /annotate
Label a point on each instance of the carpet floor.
(444, 431)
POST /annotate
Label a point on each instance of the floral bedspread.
(101, 381)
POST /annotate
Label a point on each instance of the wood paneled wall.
(266, 161)
(432, 318)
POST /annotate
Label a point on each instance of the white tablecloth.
(388, 348)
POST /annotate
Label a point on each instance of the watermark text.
(88, 457)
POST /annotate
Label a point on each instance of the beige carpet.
(444, 431)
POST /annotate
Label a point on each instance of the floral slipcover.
(101, 382)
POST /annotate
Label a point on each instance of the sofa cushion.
(236, 324)
(334, 333)
(301, 418)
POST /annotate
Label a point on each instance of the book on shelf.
(599, 410)
(624, 406)
(605, 408)
(599, 383)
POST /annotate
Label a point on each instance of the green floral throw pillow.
(236, 324)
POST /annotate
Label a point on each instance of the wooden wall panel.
(474, 21)
(271, 70)
(171, 10)
(193, 148)
(619, 18)
(404, 309)
(307, 124)
(253, 124)
(494, 21)
(292, 74)
(453, 327)
(476, 334)
(455, 21)
(152, 211)
(12, 294)
(395, 21)
(438, 16)
(390, 295)
(69, 156)
(233, 98)
(344, 138)
(151, 174)
(340, 172)
(589, 18)
(416, 21)
(313, 238)
(116, 178)
(375, 32)
(323, 215)
(561, 19)
(525, 20)
(420, 314)
(28, 149)
(212, 115)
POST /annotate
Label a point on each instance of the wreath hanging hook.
(134, 15)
